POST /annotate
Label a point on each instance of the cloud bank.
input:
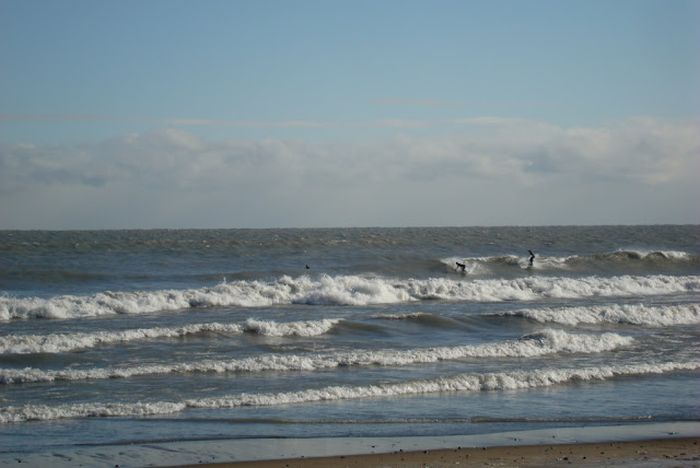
(486, 170)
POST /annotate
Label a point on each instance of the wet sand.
(683, 452)
(668, 444)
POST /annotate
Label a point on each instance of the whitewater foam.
(480, 265)
(457, 383)
(65, 342)
(342, 290)
(300, 328)
(547, 341)
(634, 314)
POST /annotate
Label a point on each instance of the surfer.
(461, 266)
(531, 260)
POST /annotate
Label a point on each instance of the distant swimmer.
(532, 258)
(461, 266)
(308, 267)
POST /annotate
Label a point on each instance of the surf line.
(530, 264)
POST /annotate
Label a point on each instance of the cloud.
(172, 177)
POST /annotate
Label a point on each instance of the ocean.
(144, 336)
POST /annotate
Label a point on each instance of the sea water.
(117, 337)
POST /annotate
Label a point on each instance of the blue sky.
(82, 83)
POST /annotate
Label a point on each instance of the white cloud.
(491, 171)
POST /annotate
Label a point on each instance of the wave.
(342, 290)
(483, 265)
(548, 341)
(618, 258)
(457, 383)
(422, 318)
(65, 342)
(633, 314)
(300, 328)
(671, 255)
(405, 316)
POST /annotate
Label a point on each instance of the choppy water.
(119, 336)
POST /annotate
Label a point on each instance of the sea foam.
(548, 341)
(634, 314)
(620, 258)
(456, 383)
(342, 290)
(299, 328)
(64, 342)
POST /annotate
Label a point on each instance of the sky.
(272, 113)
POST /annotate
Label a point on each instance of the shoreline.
(677, 443)
(645, 453)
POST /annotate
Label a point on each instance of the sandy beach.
(648, 445)
(659, 452)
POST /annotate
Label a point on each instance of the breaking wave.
(547, 341)
(406, 316)
(422, 318)
(64, 342)
(342, 290)
(300, 328)
(457, 383)
(619, 258)
(633, 314)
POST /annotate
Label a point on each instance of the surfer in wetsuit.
(531, 260)
(461, 266)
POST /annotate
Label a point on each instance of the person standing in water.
(531, 260)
